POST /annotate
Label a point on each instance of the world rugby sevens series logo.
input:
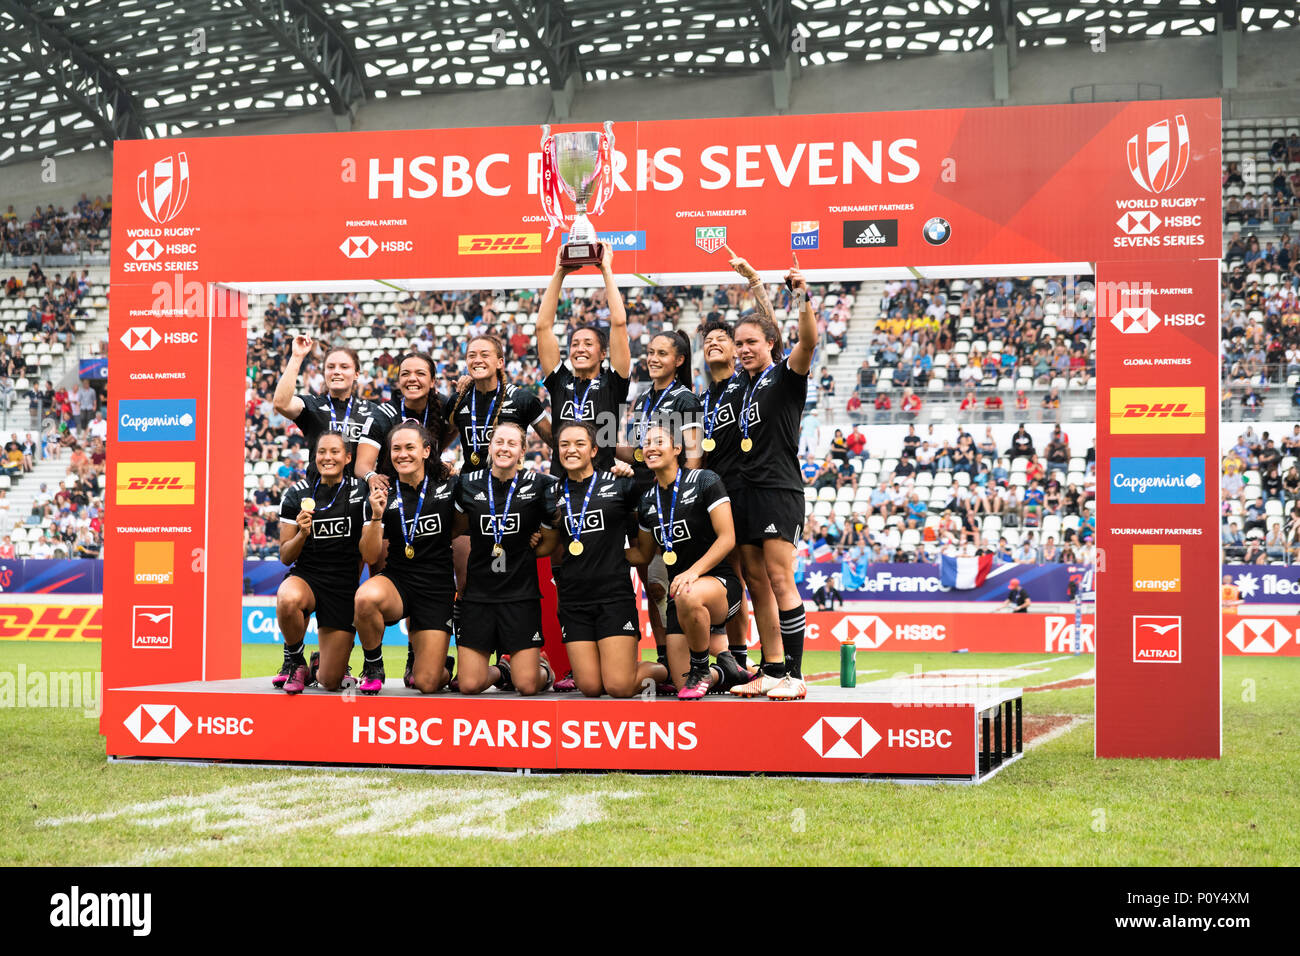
(163, 188)
(1156, 161)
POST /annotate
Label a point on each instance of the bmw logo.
(936, 231)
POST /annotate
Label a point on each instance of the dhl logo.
(49, 622)
(495, 245)
(1178, 410)
(155, 483)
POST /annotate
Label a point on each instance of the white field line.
(1061, 731)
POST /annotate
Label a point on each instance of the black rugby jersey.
(331, 549)
(430, 417)
(430, 571)
(514, 579)
(723, 401)
(601, 399)
(692, 521)
(680, 406)
(366, 424)
(601, 573)
(516, 405)
(776, 408)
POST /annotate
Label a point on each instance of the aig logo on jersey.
(326, 529)
(726, 415)
(681, 532)
(509, 524)
(350, 430)
(1157, 411)
(592, 521)
(584, 414)
(752, 417)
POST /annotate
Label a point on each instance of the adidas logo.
(480, 497)
(871, 236)
(770, 529)
(629, 626)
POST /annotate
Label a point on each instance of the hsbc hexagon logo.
(144, 250)
(1157, 157)
(163, 188)
(157, 723)
(862, 630)
(1258, 635)
(1139, 223)
(141, 338)
(358, 247)
(1135, 320)
(847, 738)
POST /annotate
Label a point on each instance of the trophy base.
(578, 254)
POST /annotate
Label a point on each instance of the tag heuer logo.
(870, 232)
(710, 238)
(358, 247)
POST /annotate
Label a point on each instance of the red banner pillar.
(1158, 644)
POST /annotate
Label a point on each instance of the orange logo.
(496, 245)
(1157, 411)
(155, 562)
(1157, 568)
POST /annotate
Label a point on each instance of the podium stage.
(956, 733)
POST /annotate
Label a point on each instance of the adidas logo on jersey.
(871, 236)
(770, 529)
(481, 496)
(629, 626)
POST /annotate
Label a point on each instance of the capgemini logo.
(163, 188)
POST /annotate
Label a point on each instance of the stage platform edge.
(951, 733)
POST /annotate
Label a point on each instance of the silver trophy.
(576, 159)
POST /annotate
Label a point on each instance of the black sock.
(663, 654)
(739, 652)
(700, 660)
(455, 617)
(792, 627)
(776, 669)
(293, 652)
(717, 679)
(374, 655)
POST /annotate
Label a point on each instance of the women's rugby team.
(702, 497)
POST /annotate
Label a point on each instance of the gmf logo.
(155, 483)
(163, 188)
(1155, 160)
(487, 245)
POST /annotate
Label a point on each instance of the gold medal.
(308, 504)
(746, 444)
(639, 455)
(670, 558)
(497, 550)
(473, 458)
(410, 551)
(708, 444)
(575, 548)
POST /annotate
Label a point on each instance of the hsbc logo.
(144, 338)
(867, 631)
(1158, 156)
(843, 738)
(144, 250)
(157, 723)
(1258, 635)
(1138, 223)
(358, 247)
(1135, 321)
(163, 188)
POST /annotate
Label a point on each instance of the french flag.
(822, 552)
(964, 573)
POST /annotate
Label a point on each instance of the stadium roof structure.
(78, 74)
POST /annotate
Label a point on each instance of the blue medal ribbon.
(473, 411)
(576, 532)
(316, 488)
(667, 532)
(408, 538)
(710, 416)
(497, 532)
(647, 411)
(744, 408)
(581, 404)
(425, 419)
(347, 414)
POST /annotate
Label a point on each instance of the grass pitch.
(61, 803)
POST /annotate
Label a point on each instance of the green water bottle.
(849, 664)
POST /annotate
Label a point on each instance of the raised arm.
(548, 346)
(801, 356)
(762, 303)
(620, 349)
(285, 401)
